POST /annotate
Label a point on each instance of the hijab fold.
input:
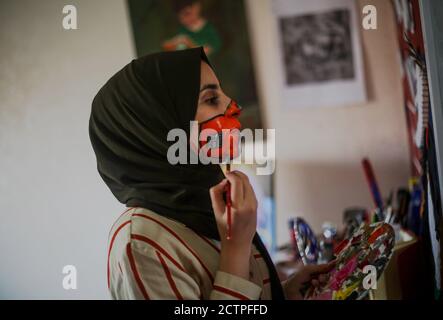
(130, 120)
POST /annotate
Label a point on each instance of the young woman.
(171, 241)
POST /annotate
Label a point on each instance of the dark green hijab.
(130, 119)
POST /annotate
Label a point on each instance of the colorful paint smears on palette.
(370, 245)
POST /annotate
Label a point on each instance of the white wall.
(54, 208)
(318, 151)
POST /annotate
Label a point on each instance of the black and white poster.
(321, 59)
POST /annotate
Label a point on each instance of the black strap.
(276, 287)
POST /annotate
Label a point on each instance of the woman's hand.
(307, 276)
(243, 210)
(235, 252)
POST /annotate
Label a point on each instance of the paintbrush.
(228, 202)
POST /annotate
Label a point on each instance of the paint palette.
(359, 261)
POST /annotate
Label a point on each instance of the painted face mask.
(222, 140)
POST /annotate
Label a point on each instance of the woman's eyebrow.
(212, 86)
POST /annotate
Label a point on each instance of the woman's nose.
(233, 110)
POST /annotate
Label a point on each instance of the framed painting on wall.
(218, 26)
(321, 53)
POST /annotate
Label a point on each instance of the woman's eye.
(213, 101)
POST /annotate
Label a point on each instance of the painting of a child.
(195, 30)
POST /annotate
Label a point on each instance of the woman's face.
(212, 100)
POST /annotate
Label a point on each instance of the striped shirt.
(153, 257)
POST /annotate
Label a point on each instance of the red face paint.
(223, 140)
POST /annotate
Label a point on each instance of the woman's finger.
(323, 278)
(249, 194)
(216, 193)
(237, 194)
(244, 178)
(319, 269)
(240, 174)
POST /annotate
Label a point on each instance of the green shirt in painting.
(206, 36)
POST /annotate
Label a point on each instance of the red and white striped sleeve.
(230, 287)
(151, 273)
